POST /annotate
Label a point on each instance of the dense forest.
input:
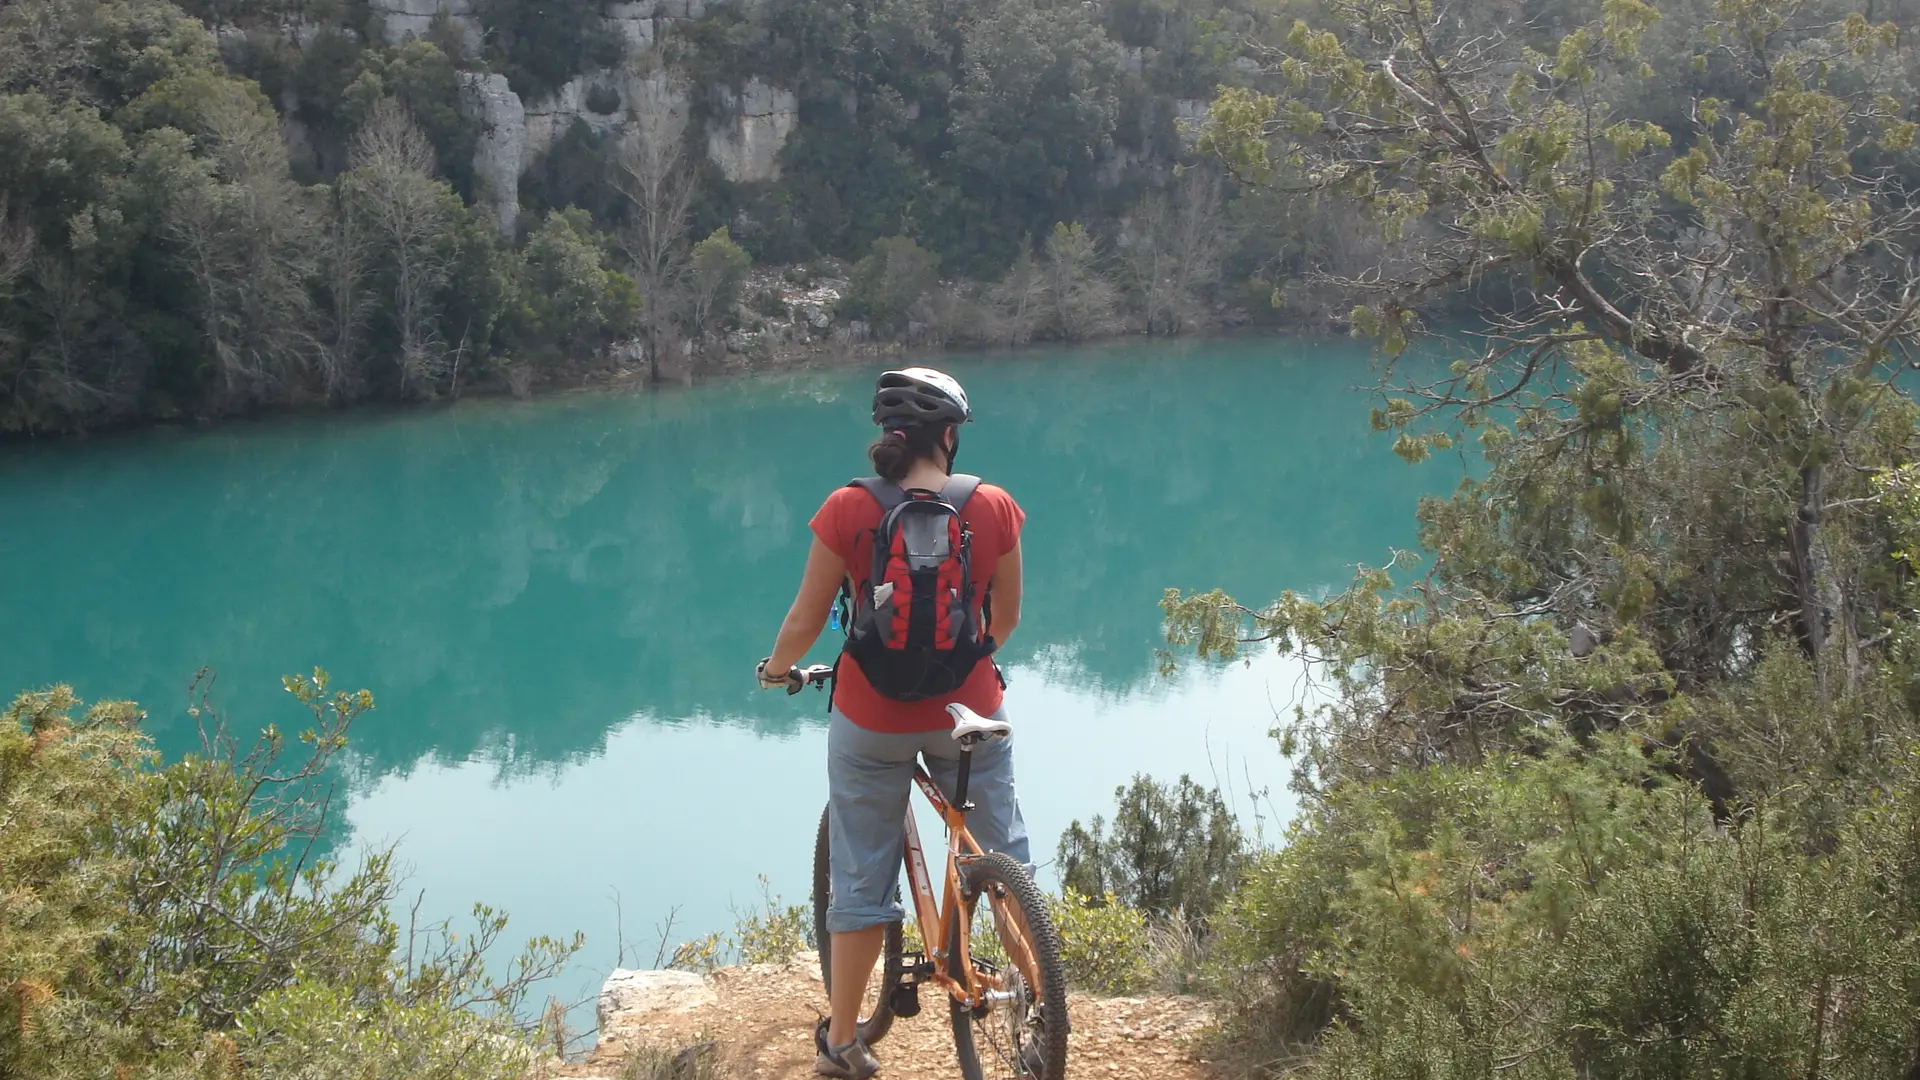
(213, 206)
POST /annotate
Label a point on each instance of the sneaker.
(852, 1061)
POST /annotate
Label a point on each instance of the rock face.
(639, 23)
(745, 140)
(627, 998)
(402, 19)
(747, 146)
(549, 119)
(498, 154)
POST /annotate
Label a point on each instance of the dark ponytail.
(894, 452)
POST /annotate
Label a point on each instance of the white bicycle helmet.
(914, 396)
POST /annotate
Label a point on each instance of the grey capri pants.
(869, 781)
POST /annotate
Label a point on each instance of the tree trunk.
(1807, 564)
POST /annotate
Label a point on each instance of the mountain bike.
(1009, 1013)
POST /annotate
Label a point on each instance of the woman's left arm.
(808, 615)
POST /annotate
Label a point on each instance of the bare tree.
(1177, 246)
(345, 261)
(246, 239)
(654, 178)
(1019, 301)
(16, 255)
(408, 214)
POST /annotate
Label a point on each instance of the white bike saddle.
(968, 724)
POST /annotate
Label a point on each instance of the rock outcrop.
(631, 998)
(758, 120)
(501, 148)
(745, 139)
(758, 1021)
(640, 23)
(403, 19)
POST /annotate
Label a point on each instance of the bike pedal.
(906, 1001)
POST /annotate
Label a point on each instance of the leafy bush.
(571, 303)
(1171, 849)
(166, 920)
(775, 932)
(716, 270)
(1104, 944)
(886, 284)
(1578, 913)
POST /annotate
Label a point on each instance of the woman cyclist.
(873, 739)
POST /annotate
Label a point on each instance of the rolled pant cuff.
(847, 922)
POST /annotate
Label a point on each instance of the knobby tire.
(988, 1046)
(873, 1027)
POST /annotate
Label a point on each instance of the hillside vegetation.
(214, 206)
(1620, 779)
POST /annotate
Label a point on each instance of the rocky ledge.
(758, 1021)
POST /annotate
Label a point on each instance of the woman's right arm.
(1006, 596)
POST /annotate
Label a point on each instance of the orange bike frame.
(936, 920)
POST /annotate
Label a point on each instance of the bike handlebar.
(800, 678)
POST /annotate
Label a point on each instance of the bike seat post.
(966, 769)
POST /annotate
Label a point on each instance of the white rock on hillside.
(633, 24)
(747, 147)
(628, 997)
(498, 153)
(402, 19)
(548, 119)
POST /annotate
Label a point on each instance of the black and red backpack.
(916, 622)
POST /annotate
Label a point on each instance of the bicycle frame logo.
(948, 923)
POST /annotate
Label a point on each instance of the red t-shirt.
(845, 523)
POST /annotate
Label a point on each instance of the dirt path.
(763, 1018)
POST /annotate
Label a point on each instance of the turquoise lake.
(558, 604)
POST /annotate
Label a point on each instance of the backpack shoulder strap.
(958, 489)
(885, 492)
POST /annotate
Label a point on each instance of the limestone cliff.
(748, 124)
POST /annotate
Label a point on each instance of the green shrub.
(1171, 849)
(571, 304)
(775, 932)
(1575, 913)
(1104, 944)
(161, 920)
(716, 270)
(889, 281)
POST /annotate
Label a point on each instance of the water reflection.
(532, 574)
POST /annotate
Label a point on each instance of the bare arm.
(808, 615)
(1006, 596)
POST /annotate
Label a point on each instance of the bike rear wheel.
(877, 1014)
(1024, 1035)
